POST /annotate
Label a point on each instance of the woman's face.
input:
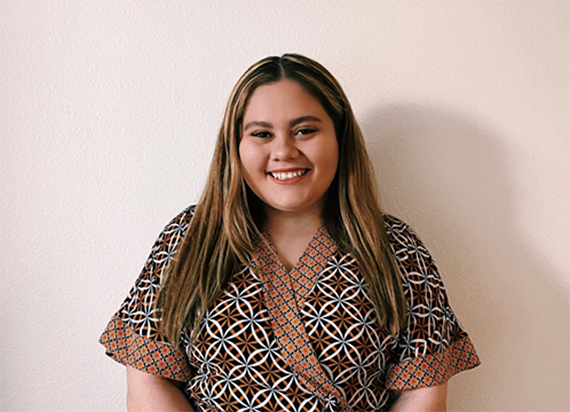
(288, 149)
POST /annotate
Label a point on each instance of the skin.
(285, 130)
(151, 393)
(431, 399)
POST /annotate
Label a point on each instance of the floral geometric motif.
(250, 355)
(433, 369)
(154, 357)
(285, 294)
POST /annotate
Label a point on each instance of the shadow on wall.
(449, 178)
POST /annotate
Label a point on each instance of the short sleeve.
(132, 335)
(433, 346)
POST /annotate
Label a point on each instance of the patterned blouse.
(304, 340)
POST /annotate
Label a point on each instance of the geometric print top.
(304, 340)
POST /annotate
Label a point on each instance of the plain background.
(109, 112)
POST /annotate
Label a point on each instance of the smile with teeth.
(288, 175)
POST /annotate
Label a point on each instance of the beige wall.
(108, 117)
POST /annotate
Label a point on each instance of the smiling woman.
(286, 288)
(288, 150)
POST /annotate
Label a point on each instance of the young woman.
(286, 288)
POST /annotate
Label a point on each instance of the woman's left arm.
(430, 399)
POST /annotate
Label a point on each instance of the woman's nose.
(284, 148)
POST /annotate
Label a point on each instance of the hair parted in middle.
(225, 228)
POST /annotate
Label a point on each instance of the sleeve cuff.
(433, 369)
(127, 347)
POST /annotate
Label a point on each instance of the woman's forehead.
(284, 98)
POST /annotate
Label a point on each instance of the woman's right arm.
(151, 393)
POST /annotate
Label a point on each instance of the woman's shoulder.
(392, 221)
(183, 218)
(406, 245)
(181, 221)
(174, 231)
(398, 230)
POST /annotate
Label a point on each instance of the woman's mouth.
(289, 174)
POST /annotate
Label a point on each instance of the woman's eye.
(261, 135)
(305, 131)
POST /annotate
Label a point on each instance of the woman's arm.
(430, 399)
(151, 393)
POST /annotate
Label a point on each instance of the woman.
(286, 288)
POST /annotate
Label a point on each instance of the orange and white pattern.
(304, 340)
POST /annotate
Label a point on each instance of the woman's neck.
(286, 224)
(291, 234)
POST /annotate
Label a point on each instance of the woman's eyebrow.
(291, 123)
(304, 119)
(257, 123)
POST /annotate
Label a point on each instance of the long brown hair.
(224, 231)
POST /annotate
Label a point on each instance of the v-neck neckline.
(284, 295)
(320, 242)
(301, 279)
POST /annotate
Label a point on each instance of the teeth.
(288, 175)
